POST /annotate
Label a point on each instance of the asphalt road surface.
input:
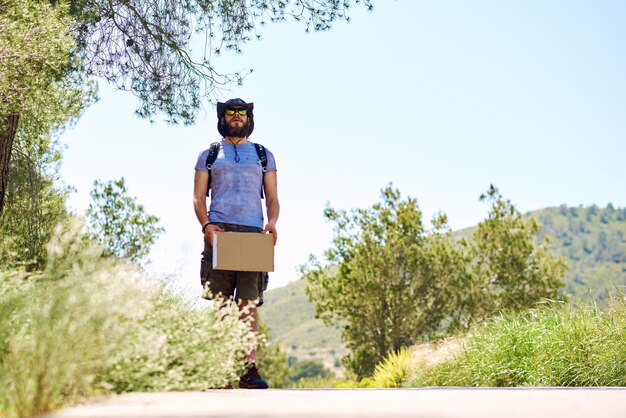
(417, 402)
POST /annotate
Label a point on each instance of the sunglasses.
(242, 112)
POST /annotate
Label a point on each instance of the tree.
(34, 204)
(119, 223)
(145, 46)
(40, 94)
(392, 278)
(511, 271)
(140, 46)
(390, 282)
(42, 87)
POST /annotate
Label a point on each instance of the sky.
(441, 99)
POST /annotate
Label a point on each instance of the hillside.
(290, 318)
(592, 239)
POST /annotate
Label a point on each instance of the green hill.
(290, 318)
(592, 239)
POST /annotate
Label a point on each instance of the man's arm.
(271, 203)
(200, 184)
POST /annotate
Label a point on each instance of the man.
(236, 182)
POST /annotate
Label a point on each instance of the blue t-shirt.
(236, 186)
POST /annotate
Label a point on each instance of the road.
(416, 402)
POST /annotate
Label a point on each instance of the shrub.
(90, 324)
(180, 347)
(394, 371)
(556, 345)
(308, 369)
(58, 327)
(271, 360)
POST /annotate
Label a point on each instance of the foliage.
(394, 279)
(388, 289)
(271, 360)
(290, 318)
(146, 47)
(553, 345)
(591, 242)
(48, 51)
(58, 327)
(319, 382)
(35, 203)
(394, 371)
(119, 222)
(141, 47)
(397, 282)
(191, 348)
(68, 331)
(307, 369)
(40, 80)
(42, 89)
(510, 270)
(592, 247)
(594, 244)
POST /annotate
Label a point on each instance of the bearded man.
(237, 179)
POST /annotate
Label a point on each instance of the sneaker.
(252, 380)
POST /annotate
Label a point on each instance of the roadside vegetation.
(589, 238)
(554, 344)
(89, 324)
(78, 317)
(390, 282)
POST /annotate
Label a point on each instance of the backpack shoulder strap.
(214, 149)
(262, 154)
(260, 151)
(212, 156)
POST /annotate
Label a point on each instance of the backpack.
(214, 149)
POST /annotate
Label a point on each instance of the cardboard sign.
(243, 251)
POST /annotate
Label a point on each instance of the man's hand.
(271, 228)
(209, 230)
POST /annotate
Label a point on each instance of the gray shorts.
(247, 285)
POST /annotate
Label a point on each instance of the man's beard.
(236, 131)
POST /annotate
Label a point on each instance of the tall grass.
(89, 324)
(556, 345)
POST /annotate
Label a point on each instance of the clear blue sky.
(440, 98)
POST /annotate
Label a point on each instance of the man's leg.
(251, 379)
(217, 285)
(250, 312)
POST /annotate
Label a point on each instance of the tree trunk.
(8, 128)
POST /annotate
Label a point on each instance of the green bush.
(307, 369)
(88, 324)
(179, 347)
(271, 360)
(320, 382)
(555, 345)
